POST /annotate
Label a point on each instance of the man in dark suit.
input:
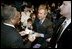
(10, 38)
(63, 37)
(43, 25)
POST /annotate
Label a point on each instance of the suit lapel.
(44, 22)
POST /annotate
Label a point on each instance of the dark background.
(34, 2)
(18, 3)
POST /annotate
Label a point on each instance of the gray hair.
(8, 12)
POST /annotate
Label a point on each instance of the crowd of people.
(36, 27)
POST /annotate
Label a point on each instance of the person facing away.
(10, 38)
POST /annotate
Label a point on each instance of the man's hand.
(22, 33)
(48, 40)
(39, 34)
(31, 37)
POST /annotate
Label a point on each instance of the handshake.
(31, 34)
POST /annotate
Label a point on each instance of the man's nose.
(60, 6)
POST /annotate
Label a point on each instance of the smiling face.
(41, 14)
(42, 11)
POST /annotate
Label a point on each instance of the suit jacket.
(58, 23)
(66, 38)
(10, 38)
(44, 28)
(65, 41)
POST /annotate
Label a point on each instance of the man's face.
(65, 8)
(18, 18)
(41, 14)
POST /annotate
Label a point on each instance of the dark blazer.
(44, 28)
(66, 39)
(10, 38)
(58, 23)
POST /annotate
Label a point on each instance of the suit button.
(68, 29)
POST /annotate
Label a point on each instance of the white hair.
(8, 12)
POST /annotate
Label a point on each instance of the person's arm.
(18, 43)
(49, 30)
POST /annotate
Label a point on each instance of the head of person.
(42, 11)
(29, 21)
(28, 10)
(33, 16)
(65, 9)
(53, 5)
(10, 15)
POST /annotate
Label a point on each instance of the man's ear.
(12, 20)
(45, 13)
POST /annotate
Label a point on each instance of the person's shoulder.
(6, 27)
(8, 31)
(36, 20)
(48, 21)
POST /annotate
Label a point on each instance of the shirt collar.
(68, 20)
(9, 25)
(42, 20)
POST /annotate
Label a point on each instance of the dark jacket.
(44, 28)
(10, 38)
(66, 38)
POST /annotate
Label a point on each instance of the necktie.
(40, 22)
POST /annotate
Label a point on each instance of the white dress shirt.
(42, 20)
